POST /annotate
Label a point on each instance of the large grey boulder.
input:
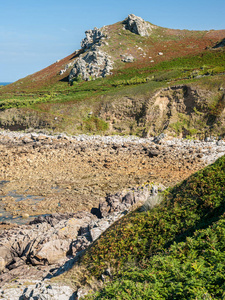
(137, 25)
(94, 64)
(92, 37)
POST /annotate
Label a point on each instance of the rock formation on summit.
(137, 25)
(92, 37)
(94, 62)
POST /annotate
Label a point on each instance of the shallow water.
(7, 216)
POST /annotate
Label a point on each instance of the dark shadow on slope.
(65, 79)
(220, 44)
(208, 219)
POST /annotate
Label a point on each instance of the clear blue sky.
(36, 33)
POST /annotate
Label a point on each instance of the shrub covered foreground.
(194, 269)
(175, 251)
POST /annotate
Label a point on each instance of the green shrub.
(94, 124)
(174, 251)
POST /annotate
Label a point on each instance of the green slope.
(175, 251)
(194, 269)
(71, 105)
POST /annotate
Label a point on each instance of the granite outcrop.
(94, 64)
(137, 25)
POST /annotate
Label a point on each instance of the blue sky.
(36, 33)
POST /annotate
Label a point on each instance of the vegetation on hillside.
(174, 251)
(167, 57)
(194, 269)
(71, 105)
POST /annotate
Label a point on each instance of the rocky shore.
(84, 184)
(49, 246)
(42, 174)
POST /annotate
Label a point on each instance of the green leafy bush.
(194, 269)
(174, 251)
(93, 124)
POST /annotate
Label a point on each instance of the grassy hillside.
(174, 251)
(46, 99)
(62, 107)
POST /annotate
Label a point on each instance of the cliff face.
(181, 111)
(178, 111)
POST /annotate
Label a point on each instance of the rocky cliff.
(178, 111)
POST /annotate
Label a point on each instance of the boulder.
(44, 290)
(94, 64)
(95, 233)
(137, 25)
(51, 252)
(2, 264)
(45, 241)
(98, 229)
(5, 257)
(92, 37)
(127, 58)
(124, 201)
(80, 244)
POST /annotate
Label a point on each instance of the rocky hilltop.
(95, 63)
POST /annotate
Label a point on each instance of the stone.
(92, 37)
(45, 241)
(51, 252)
(94, 64)
(25, 216)
(45, 291)
(137, 25)
(158, 138)
(95, 233)
(127, 58)
(80, 244)
(99, 227)
(153, 153)
(2, 264)
(5, 256)
(69, 65)
(129, 198)
(81, 292)
(17, 262)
